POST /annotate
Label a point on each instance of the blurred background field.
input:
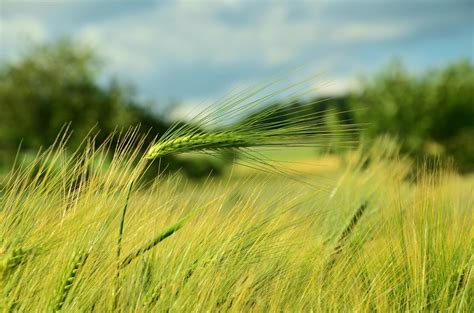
(401, 69)
(56, 88)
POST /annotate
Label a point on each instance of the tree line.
(50, 85)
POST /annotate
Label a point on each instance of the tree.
(432, 114)
(60, 84)
(52, 85)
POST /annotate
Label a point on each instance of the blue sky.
(189, 51)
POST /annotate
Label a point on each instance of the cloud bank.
(188, 50)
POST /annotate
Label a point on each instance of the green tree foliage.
(60, 84)
(53, 85)
(431, 114)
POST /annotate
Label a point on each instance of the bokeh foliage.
(62, 84)
(52, 85)
(432, 114)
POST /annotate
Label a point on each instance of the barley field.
(236, 156)
(362, 231)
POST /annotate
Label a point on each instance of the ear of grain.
(11, 261)
(9, 277)
(69, 281)
(198, 142)
(248, 121)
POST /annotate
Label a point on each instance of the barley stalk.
(162, 236)
(119, 250)
(343, 238)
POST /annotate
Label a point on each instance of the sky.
(191, 51)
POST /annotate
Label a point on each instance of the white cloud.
(189, 109)
(336, 86)
(124, 56)
(194, 48)
(187, 33)
(15, 31)
(370, 31)
(183, 34)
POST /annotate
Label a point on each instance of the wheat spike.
(69, 281)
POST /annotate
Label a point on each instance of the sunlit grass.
(261, 243)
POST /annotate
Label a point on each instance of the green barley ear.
(198, 142)
(69, 281)
(9, 277)
(154, 296)
(247, 120)
(11, 261)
